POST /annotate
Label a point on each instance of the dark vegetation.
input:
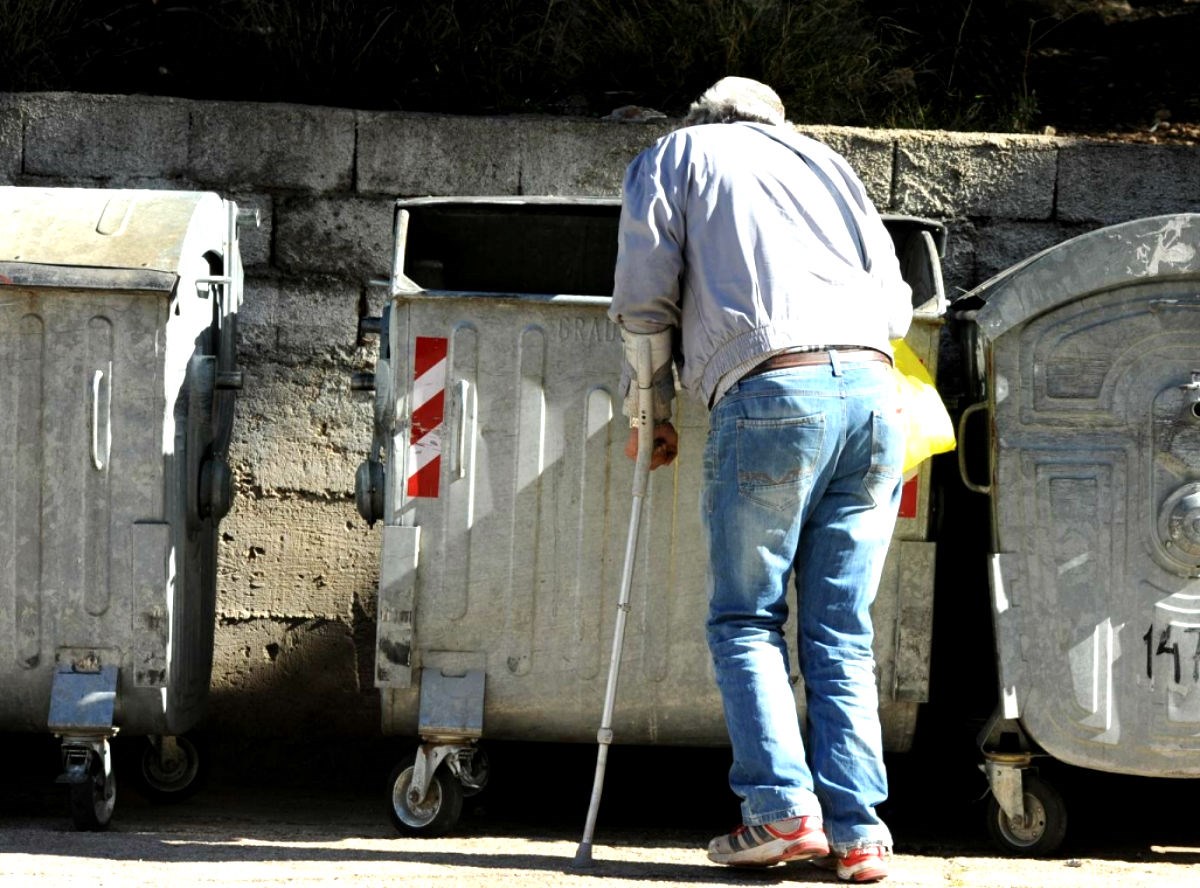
(1004, 65)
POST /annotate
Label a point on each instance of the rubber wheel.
(1045, 824)
(172, 777)
(93, 801)
(437, 814)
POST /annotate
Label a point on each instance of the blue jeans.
(802, 475)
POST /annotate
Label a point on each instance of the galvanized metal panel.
(87, 463)
(1093, 363)
(521, 552)
(151, 603)
(394, 617)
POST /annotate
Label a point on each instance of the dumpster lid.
(54, 236)
(1154, 247)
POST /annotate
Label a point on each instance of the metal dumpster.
(1087, 358)
(497, 469)
(117, 339)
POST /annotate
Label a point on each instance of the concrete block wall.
(298, 567)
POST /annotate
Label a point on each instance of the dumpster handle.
(97, 377)
(962, 449)
(458, 468)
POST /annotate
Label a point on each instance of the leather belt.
(810, 358)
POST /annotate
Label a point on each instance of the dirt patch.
(256, 836)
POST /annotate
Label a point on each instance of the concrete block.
(309, 321)
(114, 138)
(998, 247)
(299, 427)
(255, 242)
(297, 678)
(871, 154)
(582, 157)
(406, 155)
(263, 146)
(295, 557)
(412, 155)
(301, 430)
(12, 128)
(958, 263)
(1107, 182)
(347, 236)
(977, 175)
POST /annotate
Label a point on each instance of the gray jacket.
(750, 239)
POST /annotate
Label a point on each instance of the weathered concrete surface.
(581, 157)
(350, 237)
(106, 137)
(256, 241)
(11, 134)
(413, 155)
(297, 557)
(286, 146)
(1001, 245)
(407, 155)
(1108, 183)
(300, 677)
(298, 567)
(954, 175)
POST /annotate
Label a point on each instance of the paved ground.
(309, 822)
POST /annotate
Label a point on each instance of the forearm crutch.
(641, 473)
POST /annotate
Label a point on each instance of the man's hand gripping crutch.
(661, 386)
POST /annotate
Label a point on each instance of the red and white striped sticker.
(908, 497)
(428, 410)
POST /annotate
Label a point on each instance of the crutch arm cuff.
(663, 381)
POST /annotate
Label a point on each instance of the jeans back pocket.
(777, 459)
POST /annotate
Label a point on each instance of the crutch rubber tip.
(583, 856)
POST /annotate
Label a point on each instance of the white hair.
(736, 98)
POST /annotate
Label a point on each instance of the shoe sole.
(866, 874)
(804, 850)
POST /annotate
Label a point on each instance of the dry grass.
(832, 61)
(31, 31)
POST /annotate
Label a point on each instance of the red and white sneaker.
(798, 838)
(866, 864)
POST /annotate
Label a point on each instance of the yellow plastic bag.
(927, 426)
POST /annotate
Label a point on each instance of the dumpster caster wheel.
(474, 773)
(436, 814)
(1044, 827)
(170, 769)
(93, 801)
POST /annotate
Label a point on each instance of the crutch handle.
(644, 369)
